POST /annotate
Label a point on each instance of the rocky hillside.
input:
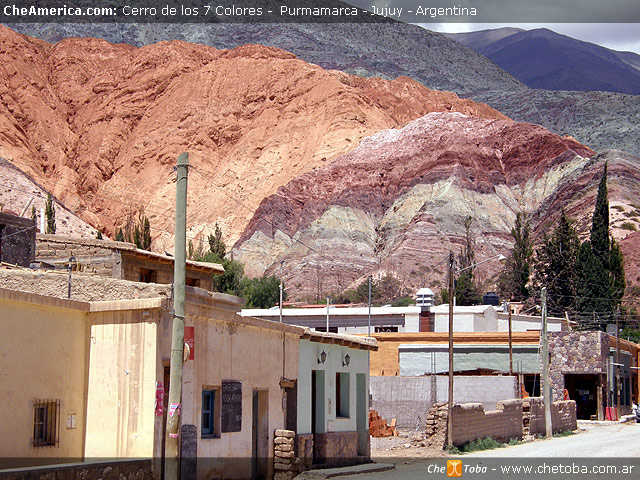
(602, 121)
(19, 190)
(100, 125)
(397, 202)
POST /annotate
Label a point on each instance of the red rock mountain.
(397, 202)
(100, 125)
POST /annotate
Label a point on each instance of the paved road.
(614, 446)
(617, 440)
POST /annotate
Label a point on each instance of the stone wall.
(576, 353)
(338, 449)
(117, 470)
(436, 426)
(470, 422)
(17, 240)
(304, 451)
(563, 416)
(284, 461)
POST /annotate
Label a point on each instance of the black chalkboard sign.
(231, 406)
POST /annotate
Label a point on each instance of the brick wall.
(563, 416)
(471, 422)
(99, 256)
(304, 451)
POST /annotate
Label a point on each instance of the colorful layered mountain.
(398, 201)
(100, 125)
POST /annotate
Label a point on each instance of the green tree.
(514, 279)
(216, 244)
(98, 235)
(34, 215)
(261, 292)
(50, 214)
(600, 222)
(146, 234)
(466, 291)
(555, 266)
(600, 265)
(120, 235)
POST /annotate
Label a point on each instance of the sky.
(617, 36)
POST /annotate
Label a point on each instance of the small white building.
(350, 320)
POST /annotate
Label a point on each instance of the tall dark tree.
(600, 265)
(466, 291)
(514, 279)
(555, 266)
(216, 244)
(146, 234)
(592, 286)
(600, 223)
(50, 214)
(120, 235)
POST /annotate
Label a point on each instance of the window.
(210, 413)
(46, 422)
(192, 282)
(342, 394)
(324, 329)
(148, 276)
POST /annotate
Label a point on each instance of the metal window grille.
(46, 423)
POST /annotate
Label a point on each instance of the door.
(362, 414)
(260, 435)
(317, 414)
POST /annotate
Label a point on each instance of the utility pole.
(369, 322)
(510, 342)
(546, 394)
(177, 336)
(617, 361)
(281, 290)
(450, 405)
(327, 314)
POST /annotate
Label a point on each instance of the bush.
(629, 226)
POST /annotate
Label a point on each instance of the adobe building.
(88, 378)
(120, 260)
(17, 240)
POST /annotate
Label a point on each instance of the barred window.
(46, 423)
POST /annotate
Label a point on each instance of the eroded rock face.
(100, 125)
(397, 202)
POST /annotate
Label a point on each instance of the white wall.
(523, 323)
(309, 354)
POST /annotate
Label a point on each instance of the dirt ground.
(408, 444)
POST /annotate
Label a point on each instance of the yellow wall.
(122, 376)
(42, 356)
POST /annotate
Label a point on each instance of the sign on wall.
(231, 406)
(189, 336)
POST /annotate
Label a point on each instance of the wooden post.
(177, 335)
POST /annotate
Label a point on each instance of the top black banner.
(319, 11)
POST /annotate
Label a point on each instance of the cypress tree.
(556, 266)
(120, 235)
(466, 291)
(513, 280)
(146, 234)
(50, 214)
(600, 223)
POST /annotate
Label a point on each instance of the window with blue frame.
(208, 427)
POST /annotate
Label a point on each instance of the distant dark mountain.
(483, 38)
(547, 60)
(601, 121)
